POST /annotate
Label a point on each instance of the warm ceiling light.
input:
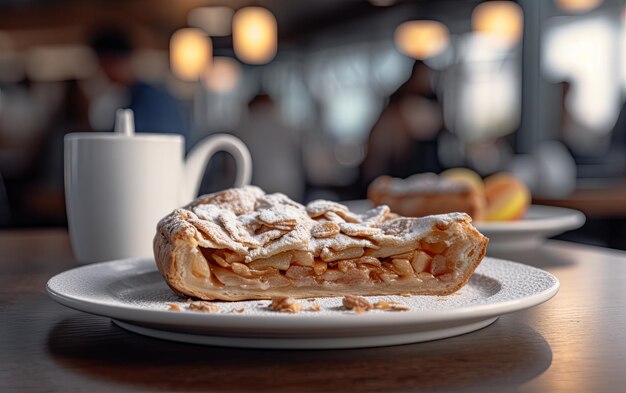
(503, 20)
(216, 21)
(190, 53)
(578, 6)
(254, 35)
(223, 76)
(422, 39)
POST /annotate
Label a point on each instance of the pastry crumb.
(357, 304)
(174, 307)
(239, 310)
(203, 306)
(390, 306)
(383, 305)
(406, 295)
(285, 304)
(314, 308)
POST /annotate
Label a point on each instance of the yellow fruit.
(507, 197)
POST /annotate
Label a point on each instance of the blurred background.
(327, 94)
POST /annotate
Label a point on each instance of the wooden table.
(602, 201)
(575, 342)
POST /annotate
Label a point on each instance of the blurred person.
(274, 148)
(27, 114)
(617, 151)
(5, 207)
(154, 108)
(584, 144)
(44, 200)
(26, 109)
(569, 129)
(403, 141)
(595, 154)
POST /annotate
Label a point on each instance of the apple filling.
(349, 267)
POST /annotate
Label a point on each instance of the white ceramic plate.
(539, 223)
(134, 295)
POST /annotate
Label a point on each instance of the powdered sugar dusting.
(256, 225)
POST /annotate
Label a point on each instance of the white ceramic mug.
(119, 185)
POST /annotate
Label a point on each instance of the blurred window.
(582, 50)
(352, 82)
(482, 89)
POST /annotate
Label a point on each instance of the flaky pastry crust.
(243, 244)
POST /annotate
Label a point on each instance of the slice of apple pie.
(244, 244)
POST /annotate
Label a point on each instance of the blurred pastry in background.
(426, 194)
(499, 197)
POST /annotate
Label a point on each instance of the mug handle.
(200, 155)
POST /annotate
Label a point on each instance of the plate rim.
(288, 321)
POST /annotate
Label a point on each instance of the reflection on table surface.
(445, 365)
